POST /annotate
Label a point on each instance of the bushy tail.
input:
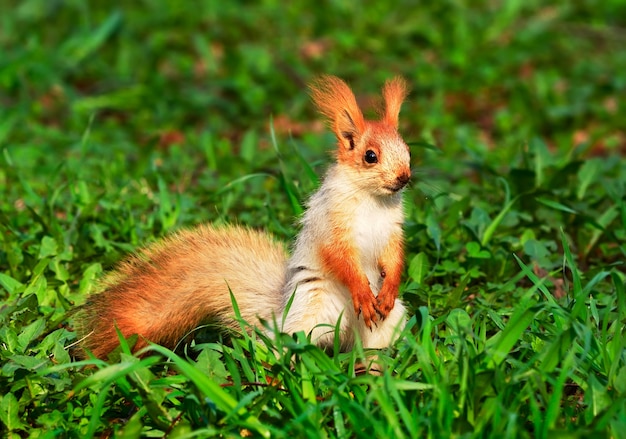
(169, 288)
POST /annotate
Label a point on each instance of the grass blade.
(219, 396)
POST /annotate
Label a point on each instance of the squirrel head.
(373, 151)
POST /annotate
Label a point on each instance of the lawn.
(121, 124)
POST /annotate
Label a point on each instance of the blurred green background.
(486, 75)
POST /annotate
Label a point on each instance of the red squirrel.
(345, 265)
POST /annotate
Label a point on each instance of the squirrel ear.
(394, 92)
(335, 100)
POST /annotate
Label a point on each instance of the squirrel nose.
(403, 178)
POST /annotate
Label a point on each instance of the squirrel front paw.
(385, 302)
(367, 305)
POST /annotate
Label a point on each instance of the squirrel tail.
(177, 284)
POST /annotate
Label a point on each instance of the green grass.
(120, 124)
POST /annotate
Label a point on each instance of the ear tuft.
(394, 92)
(337, 103)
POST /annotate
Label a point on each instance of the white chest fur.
(369, 220)
(375, 221)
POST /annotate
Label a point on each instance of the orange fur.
(335, 100)
(394, 92)
(340, 259)
(391, 264)
(183, 281)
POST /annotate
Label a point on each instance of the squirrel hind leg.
(386, 332)
(318, 310)
(382, 336)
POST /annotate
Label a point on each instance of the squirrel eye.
(371, 157)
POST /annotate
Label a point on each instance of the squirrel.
(344, 270)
